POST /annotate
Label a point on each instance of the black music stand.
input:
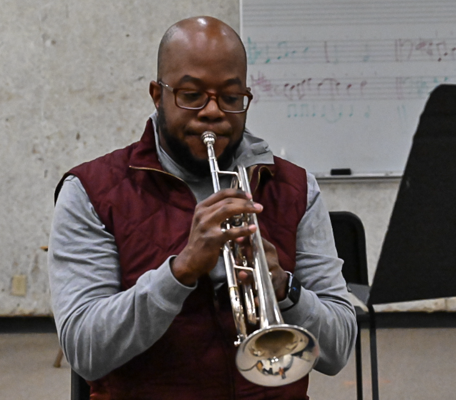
(418, 257)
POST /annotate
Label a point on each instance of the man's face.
(201, 64)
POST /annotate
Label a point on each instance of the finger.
(238, 232)
(243, 242)
(230, 207)
(268, 246)
(245, 277)
(224, 194)
(216, 214)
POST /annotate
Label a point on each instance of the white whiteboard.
(341, 84)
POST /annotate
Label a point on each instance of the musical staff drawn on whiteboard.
(311, 13)
(342, 88)
(351, 51)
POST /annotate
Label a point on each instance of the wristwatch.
(293, 293)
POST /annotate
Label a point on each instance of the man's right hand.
(207, 237)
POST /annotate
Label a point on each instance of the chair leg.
(373, 351)
(75, 387)
(359, 366)
(58, 359)
(80, 390)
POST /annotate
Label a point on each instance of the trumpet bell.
(277, 355)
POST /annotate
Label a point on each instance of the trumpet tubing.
(276, 353)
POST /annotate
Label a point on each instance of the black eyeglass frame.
(210, 95)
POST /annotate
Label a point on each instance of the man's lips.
(221, 140)
(199, 134)
(199, 148)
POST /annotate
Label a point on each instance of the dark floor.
(414, 364)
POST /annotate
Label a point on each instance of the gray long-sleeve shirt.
(101, 328)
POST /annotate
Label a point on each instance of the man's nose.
(212, 109)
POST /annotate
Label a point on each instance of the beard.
(184, 157)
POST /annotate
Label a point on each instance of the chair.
(351, 247)
(80, 390)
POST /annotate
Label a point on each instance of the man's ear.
(155, 91)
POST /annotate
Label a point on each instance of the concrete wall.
(74, 86)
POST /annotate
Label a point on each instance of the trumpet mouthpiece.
(208, 137)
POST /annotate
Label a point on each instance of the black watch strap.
(293, 293)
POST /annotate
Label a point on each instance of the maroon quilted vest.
(149, 212)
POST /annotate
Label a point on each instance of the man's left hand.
(279, 277)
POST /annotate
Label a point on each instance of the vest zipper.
(165, 173)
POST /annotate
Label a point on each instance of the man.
(138, 284)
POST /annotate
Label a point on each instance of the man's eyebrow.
(233, 81)
(189, 78)
(192, 79)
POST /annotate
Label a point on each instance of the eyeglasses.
(192, 99)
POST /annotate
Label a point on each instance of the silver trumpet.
(276, 353)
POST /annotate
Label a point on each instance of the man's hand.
(206, 237)
(279, 277)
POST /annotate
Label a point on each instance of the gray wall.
(74, 86)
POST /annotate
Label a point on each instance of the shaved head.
(202, 29)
